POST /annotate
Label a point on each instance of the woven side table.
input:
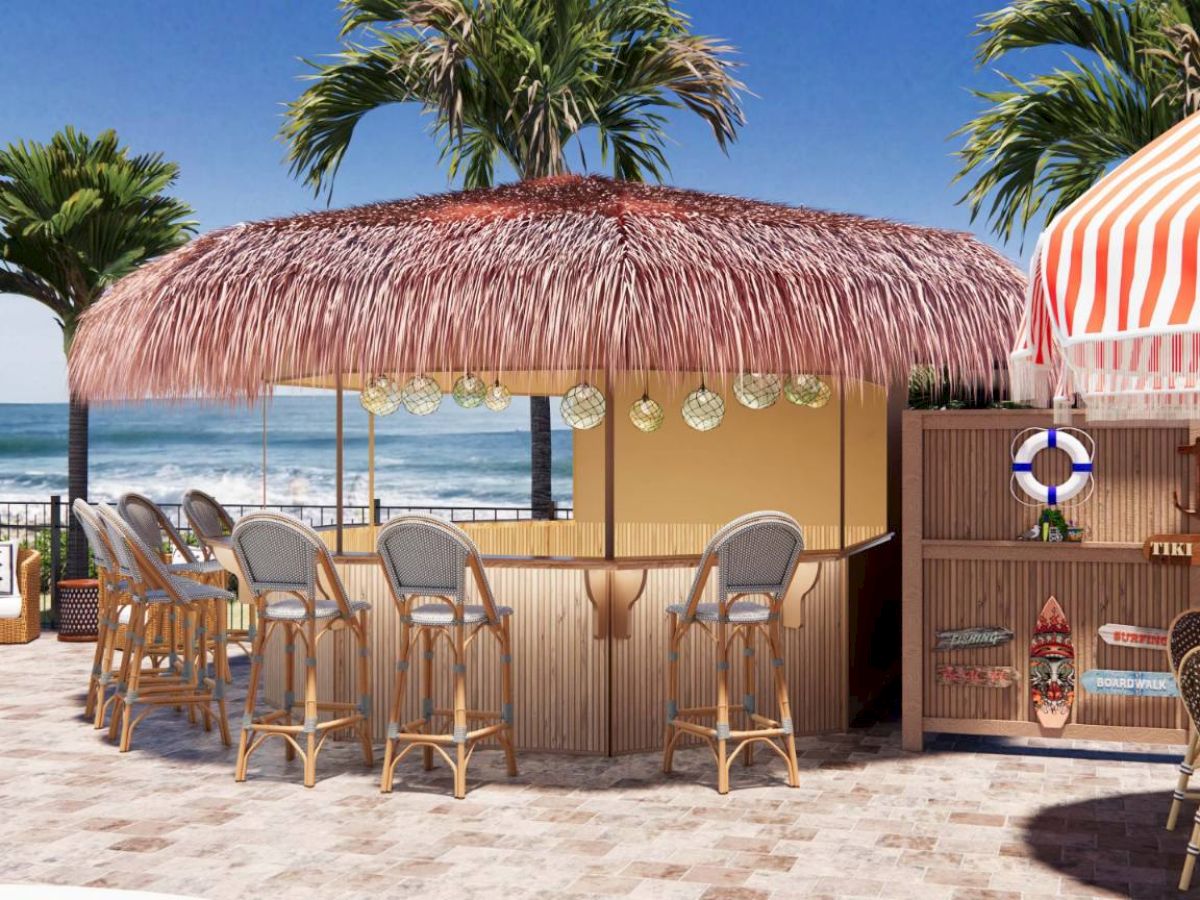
(78, 605)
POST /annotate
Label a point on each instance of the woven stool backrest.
(139, 563)
(207, 518)
(1183, 636)
(1189, 684)
(280, 553)
(755, 554)
(427, 557)
(151, 524)
(97, 537)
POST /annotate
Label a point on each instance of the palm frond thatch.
(565, 274)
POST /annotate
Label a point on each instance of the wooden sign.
(1052, 667)
(1130, 684)
(1133, 636)
(970, 638)
(977, 676)
(1179, 549)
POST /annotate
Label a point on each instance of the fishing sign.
(972, 638)
(1130, 684)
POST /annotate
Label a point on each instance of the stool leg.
(364, 690)
(185, 615)
(722, 707)
(256, 659)
(427, 691)
(395, 719)
(289, 682)
(135, 676)
(672, 691)
(785, 707)
(201, 642)
(102, 633)
(106, 663)
(310, 706)
(118, 697)
(460, 713)
(749, 700)
(221, 673)
(1189, 861)
(506, 698)
(1185, 774)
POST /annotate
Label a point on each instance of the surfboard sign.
(1052, 666)
(1130, 684)
(977, 676)
(1133, 636)
(972, 638)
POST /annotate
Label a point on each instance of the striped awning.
(1112, 311)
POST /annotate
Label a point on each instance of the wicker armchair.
(27, 624)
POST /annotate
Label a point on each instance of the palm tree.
(76, 214)
(517, 81)
(1129, 74)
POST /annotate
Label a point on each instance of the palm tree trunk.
(541, 495)
(77, 486)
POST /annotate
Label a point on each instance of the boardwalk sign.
(972, 638)
(1130, 684)
(1134, 636)
(977, 676)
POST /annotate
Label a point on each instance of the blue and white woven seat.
(741, 611)
(440, 614)
(293, 610)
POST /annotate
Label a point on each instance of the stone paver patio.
(966, 819)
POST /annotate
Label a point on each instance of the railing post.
(55, 554)
(376, 511)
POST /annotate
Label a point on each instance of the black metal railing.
(43, 524)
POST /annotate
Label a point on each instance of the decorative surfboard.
(1052, 667)
(972, 638)
(1133, 636)
(1129, 684)
(977, 676)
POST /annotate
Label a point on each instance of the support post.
(372, 501)
(340, 461)
(55, 555)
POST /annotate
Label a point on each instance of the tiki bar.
(714, 357)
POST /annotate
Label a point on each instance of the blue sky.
(853, 110)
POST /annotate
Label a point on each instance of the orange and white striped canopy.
(1113, 308)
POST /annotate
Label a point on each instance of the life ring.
(1052, 438)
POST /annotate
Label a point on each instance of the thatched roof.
(566, 274)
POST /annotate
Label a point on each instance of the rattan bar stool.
(152, 586)
(1188, 676)
(280, 555)
(210, 521)
(1182, 637)
(427, 558)
(156, 530)
(755, 555)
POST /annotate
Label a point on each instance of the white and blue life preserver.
(1052, 438)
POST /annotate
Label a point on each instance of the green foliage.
(78, 213)
(1042, 142)
(927, 389)
(42, 543)
(517, 80)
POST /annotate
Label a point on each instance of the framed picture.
(8, 568)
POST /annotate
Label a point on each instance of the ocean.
(453, 457)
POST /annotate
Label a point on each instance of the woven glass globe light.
(824, 392)
(469, 391)
(497, 398)
(380, 396)
(646, 414)
(582, 407)
(757, 391)
(802, 389)
(703, 409)
(422, 395)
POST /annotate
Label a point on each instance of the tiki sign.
(1177, 549)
